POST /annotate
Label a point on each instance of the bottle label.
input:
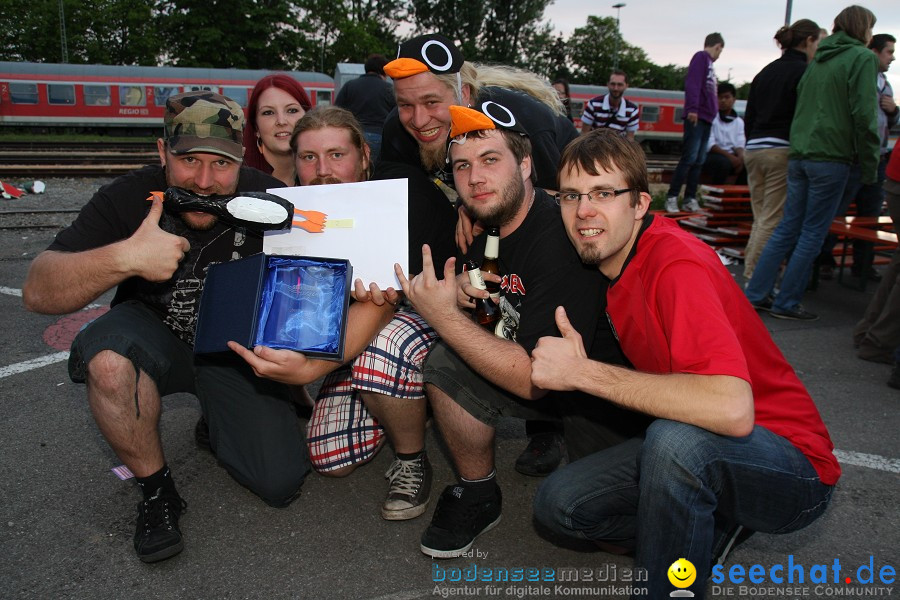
(498, 328)
(476, 279)
(492, 247)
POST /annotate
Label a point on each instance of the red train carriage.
(661, 113)
(103, 96)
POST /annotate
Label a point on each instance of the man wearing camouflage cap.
(141, 350)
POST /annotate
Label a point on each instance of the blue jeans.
(693, 155)
(869, 202)
(680, 493)
(814, 191)
(373, 138)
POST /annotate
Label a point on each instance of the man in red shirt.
(732, 417)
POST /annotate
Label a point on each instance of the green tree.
(665, 77)
(229, 33)
(347, 30)
(29, 30)
(124, 34)
(548, 56)
(592, 51)
(496, 31)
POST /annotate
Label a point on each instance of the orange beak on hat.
(463, 120)
(404, 67)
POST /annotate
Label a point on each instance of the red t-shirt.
(892, 170)
(676, 309)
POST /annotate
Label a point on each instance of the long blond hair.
(476, 76)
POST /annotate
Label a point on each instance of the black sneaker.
(894, 381)
(201, 434)
(458, 520)
(542, 455)
(764, 304)
(797, 313)
(157, 536)
(410, 488)
(871, 273)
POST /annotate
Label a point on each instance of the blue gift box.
(289, 302)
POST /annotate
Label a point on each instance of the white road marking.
(872, 461)
(34, 363)
(848, 457)
(17, 292)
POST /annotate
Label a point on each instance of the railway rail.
(104, 159)
(36, 219)
(40, 159)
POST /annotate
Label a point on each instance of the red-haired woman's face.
(276, 113)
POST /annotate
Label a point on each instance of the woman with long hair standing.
(767, 121)
(834, 125)
(276, 103)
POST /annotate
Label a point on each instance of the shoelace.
(159, 512)
(405, 476)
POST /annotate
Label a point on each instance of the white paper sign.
(365, 223)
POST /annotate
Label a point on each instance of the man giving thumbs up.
(141, 350)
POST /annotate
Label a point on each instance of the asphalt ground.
(66, 521)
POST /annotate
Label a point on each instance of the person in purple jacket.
(700, 108)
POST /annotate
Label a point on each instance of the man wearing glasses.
(472, 376)
(732, 417)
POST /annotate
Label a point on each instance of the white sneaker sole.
(404, 514)
(457, 551)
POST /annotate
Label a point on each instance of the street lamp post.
(618, 6)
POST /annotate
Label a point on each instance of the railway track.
(36, 219)
(74, 159)
(103, 159)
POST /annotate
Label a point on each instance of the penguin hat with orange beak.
(431, 52)
(485, 116)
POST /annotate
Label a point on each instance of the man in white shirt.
(725, 151)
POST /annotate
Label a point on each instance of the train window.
(649, 114)
(96, 95)
(577, 107)
(23, 93)
(679, 114)
(131, 95)
(199, 87)
(161, 94)
(323, 97)
(60, 93)
(239, 95)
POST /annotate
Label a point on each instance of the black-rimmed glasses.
(594, 196)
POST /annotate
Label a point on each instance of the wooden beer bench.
(865, 229)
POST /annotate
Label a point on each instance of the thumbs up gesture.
(152, 253)
(555, 359)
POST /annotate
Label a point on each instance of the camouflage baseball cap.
(204, 122)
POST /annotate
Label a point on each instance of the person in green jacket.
(835, 125)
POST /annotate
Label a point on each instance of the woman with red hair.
(276, 103)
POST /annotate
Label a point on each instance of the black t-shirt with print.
(541, 270)
(117, 210)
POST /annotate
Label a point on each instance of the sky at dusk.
(671, 31)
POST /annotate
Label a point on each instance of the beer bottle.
(491, 262)
(486, 311)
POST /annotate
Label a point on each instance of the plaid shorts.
(341, 432)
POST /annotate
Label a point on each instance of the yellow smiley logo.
(682, 573)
